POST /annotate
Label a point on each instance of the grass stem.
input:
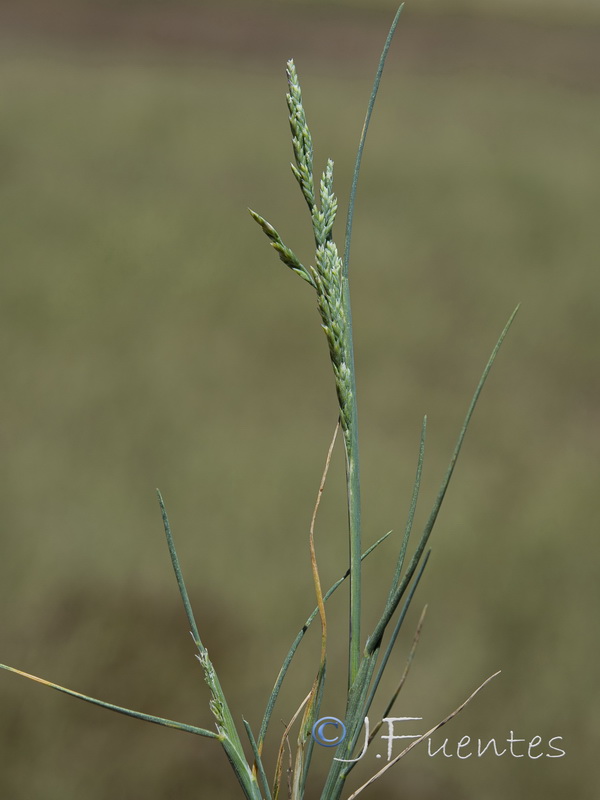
(352, 452)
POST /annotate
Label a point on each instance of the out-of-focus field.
(149, 337)
(532, 9)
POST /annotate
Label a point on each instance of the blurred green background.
(151, 338)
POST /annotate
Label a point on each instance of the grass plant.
(368, 656)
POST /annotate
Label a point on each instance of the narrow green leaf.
(218, 703)
(377, 634)
(411, 512)
(363, 138)
(391, 644)
(179, 576)
(168, 723)
(258, 761)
